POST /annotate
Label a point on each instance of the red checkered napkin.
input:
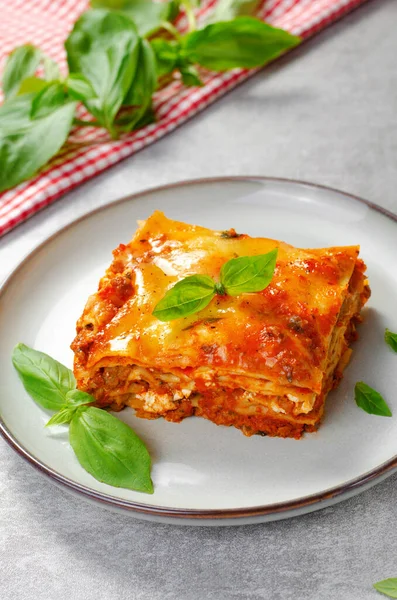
(46, 23)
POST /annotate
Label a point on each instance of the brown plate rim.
(295, 506)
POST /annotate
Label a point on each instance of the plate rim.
(296, 506)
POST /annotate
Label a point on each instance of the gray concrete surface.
(327, 114)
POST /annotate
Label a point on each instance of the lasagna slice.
(263, 362)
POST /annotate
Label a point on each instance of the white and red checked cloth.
(46, 23)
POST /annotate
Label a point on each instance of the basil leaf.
(78, 398)
(226, 10)
(143, 85)
(388, 587)
(370, 400)
(166, 54)
(190, 76)
(62, 417)
(49, 99)
(245, 42)
(32, 85)
(45, 379)
(187, 297)
(21, 63)
(79, 88)
(51, 69)
(15, 114)
(248, 273)
(146, 15)
(103, 47)
(27, 144)
(109, 450)
(391, 339)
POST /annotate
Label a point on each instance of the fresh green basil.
(226, 10)
(79, 88)
(45, 379)
(115, 72)
(244, 42)
(27, 144)
(19, 71)
(139, 95)
(238, 276)
(190, 76)
(109, 450)
(248, 273)
(370, 400)
(31, 85)
(74, 399)
(391, 339)
(185, 298)
(166, 54)
(15, 115)
(103, 47)
(62, 417)
(169, 59)
(388, 587)
(105, 446)
(78, 398)
(20, 64)
(47, 100)
(148, 16)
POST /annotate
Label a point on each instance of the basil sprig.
(370, 400)
(391, 339)
(105, 446)
(119, 52)
(388, 587)
(238, 276)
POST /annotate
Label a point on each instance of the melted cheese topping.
(278, 337)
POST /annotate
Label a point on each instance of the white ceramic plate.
(204, 474)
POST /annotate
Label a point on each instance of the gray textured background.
(327, 114)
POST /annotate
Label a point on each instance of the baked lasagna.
(263, 362)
